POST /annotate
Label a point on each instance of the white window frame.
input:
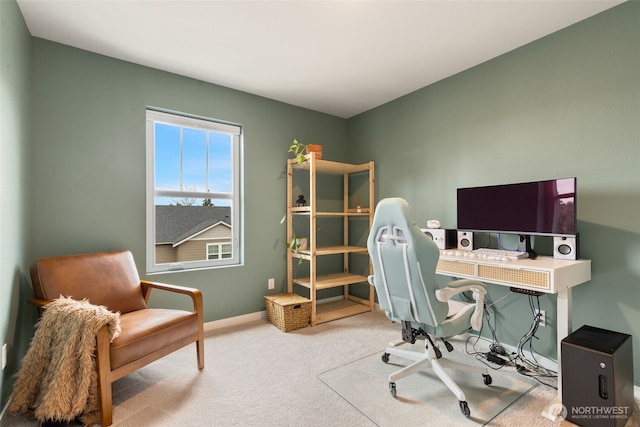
(153, 116)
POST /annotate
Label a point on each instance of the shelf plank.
(333, 250)
(326, 312)
(306, 210)
(328, 166)
(349, 213)
(332, 280)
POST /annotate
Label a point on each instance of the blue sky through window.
(182, 163)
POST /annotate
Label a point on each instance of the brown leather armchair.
(111, 279)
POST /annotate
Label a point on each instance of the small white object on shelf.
(433, 223)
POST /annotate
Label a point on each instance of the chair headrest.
(392, 221)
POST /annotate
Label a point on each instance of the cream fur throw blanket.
(57, 380)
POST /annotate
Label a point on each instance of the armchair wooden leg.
(103, 365)
(200, 349)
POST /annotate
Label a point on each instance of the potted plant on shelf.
(299, 149)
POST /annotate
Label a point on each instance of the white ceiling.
(340, 57)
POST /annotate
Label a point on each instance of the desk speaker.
(465, 240)
(597, 377)
(565, 247)
(443, 238)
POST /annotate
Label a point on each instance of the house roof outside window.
(176, 224)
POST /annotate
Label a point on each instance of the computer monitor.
(528, 208)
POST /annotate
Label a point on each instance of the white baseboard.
(251, 317)
(234, 321)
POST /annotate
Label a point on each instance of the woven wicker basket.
(288, 311)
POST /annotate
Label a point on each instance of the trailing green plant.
(298, 150)
(294, 244)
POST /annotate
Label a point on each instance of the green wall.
(16, 321)
(72, 145)
(565, 105)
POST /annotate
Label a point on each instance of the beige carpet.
(422, 399)
(256, 375)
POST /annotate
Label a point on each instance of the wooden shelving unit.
(349, 304)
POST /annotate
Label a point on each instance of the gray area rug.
(422, 399)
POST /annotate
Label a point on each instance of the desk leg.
(563, 329)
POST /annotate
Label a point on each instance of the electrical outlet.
(272, 283)
(542, 321)
(4, 356)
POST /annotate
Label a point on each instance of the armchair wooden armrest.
(196, 297)
(38, 302)
(195, 294)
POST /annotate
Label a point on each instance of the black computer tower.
(597, 377)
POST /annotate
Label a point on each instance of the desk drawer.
(456, 268)
(537, 279)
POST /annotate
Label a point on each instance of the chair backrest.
(404, 263)
(106, 278)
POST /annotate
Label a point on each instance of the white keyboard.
(499, 254)
(488, 254)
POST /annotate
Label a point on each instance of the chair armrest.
(464, 282)
(39, 303)
(195, 294)
(460, 286)
(457, 287)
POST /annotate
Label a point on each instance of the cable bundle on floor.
(498, 357)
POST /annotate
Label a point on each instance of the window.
(218, 250)
(193, 192)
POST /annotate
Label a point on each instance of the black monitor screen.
(541, 207)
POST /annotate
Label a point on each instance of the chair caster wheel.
(392, 389)
(464, 407)
(385, 357)
(487, 379)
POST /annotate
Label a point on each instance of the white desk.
(544, 274)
